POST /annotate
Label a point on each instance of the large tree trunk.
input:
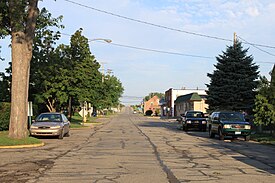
(22, 41)
(19, 88)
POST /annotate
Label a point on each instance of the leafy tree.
(263, 86)
(44, 61)
(4, 115)
(148, 97)
(19, 20)
(50, 83)
(4, 21)
(46, 66)
(271, 94)
(233, 83)
(85, 78)
(265, 102)
(264, 112)
(110, 92)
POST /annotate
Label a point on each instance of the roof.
(188, 97)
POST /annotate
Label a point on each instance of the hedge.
(4, 115)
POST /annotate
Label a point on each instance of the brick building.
(153, 105)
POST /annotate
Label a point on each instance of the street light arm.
(101, 39)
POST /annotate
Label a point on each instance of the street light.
(101, 39)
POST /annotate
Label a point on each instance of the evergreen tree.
(233, 82)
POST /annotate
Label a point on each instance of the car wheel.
(60, 136)
(67, 134)
(211, 134)
(186, 128)
(183, 127)
(221, 136)
(247, 137)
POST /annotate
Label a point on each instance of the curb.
(22, 146)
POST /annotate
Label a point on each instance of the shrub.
(4, 116)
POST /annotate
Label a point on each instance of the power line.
(180, 54)
(160, 51)
(254, 45)
(162, 26)
(148, 23)
(151, 50)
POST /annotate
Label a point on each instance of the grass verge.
(263, 138)
(6, 141)
(76, 122)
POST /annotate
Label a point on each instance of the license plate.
(238, 133)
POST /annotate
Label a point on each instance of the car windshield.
(49, 118)
(232, 117)
(194, 115)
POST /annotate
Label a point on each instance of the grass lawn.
(76, 121)
(263, 138)
(6, 141)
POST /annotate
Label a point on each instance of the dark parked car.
(194, 119)
(229, 124)
(51, 124)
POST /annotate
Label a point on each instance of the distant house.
(152, 105)
(172, 94)
(192, 101)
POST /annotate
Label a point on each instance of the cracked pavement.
(134, 148)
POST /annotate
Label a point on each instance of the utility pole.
(102, 70)
(235, 39)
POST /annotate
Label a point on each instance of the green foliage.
(4, 19)
(233, 83)
(84, 76)
(148, 97)
(61, 72)
(157, 112)
(4, 88)
(263, 138)
(264, 111)
(271, 93)
(265, 102)
(110, 92)
(263, 87)
(4, 116)
(46, 86)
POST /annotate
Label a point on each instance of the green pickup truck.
(228, 124)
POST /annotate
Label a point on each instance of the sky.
(194, 32)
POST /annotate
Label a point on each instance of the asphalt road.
(133, 148)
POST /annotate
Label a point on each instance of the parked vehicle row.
(223, 123)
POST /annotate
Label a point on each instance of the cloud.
(252, 11)
(252, 20)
